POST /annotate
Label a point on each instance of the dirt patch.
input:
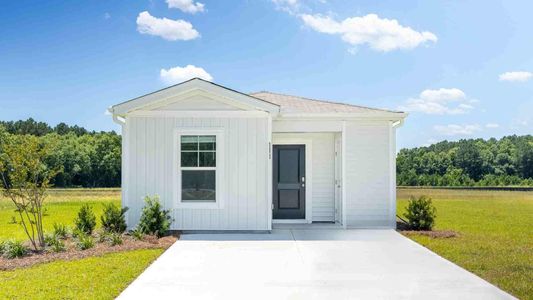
(434, 234)
(100, 248)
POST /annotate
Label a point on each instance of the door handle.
(303, 178)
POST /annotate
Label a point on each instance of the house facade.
(220, 159)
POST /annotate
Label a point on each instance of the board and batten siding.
(367, 176)
(323, 172)
(150, 158)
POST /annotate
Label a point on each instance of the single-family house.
(220, 159)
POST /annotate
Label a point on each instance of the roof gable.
(185, 90)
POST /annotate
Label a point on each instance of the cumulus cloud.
(168, 29)
(180, 74)
(441, 101)
(492, 125)
(378, 33)
(516, 76)
(188, 6)
(454, 129)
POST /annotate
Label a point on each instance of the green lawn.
(102, 277)
(89, 278)
(495, 234)
(61, 206)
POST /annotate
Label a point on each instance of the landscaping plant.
(25, 174)
(60, 230)
(12, 249)
(115, 239)
(84, 241)
(137, 234)
(86, 220)
(154, 220)
(113, 219)
(420, 213)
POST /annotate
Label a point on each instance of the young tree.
(26, 177)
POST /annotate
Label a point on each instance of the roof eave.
(391, 116)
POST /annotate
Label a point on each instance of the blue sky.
(443, 61)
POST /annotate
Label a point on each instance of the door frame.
(307, 142)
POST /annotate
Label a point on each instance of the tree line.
(93, 159)
(469, 162)
(85, 158)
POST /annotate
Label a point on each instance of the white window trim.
(219, 185)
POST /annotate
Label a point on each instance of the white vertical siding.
(151, 150)
(367, 174)
(323, 172)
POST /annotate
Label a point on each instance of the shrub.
(60, 230)
(420, 213)
(154, 220)
(3, 245)
(115, 239)
(86, 220)
(84, 241)
(137, 234)
(12, 249)
(103, 236)
(113, 219)
(54, 242)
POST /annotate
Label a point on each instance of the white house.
(223, 160)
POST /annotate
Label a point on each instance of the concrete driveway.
(306, 264)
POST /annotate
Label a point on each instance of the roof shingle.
(295, 104)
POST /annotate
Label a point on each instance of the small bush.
(3, 245)
(84, 241)
(420, 213)
(115, 239)
(113, 219)
(53, 241)
(103, 237)
(49, 239)
(61, 231)
(13, 249)
(137, 234)
(154, 220)
(86, 220)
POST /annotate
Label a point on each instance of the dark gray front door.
(289, 182)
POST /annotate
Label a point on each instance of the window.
(198, 155)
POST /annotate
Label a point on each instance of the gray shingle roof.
(295, 104)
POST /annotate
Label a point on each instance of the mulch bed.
(100, 248)
(434, 234)
(403, 228)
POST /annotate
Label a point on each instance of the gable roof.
(296, 104)
(190, 85)
(287, 105)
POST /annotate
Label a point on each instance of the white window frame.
(219, 169)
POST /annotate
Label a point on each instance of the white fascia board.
(378, 116)
(194, 84)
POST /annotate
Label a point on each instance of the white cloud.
(290, 6)
(380, 34)
(188, 6)
(180, 74)
(492, 125)
(516, 76)
(441, 101)
(454, 129)
(171, 30)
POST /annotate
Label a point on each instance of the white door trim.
(308, 175)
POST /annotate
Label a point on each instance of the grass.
(101, 277)
(61, 206)
(495, 234)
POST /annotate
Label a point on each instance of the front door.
(289, 182)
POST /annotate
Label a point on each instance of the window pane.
(207, 142)
(189, 159)
(189, 142)
(207, 159)
(198, 186)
